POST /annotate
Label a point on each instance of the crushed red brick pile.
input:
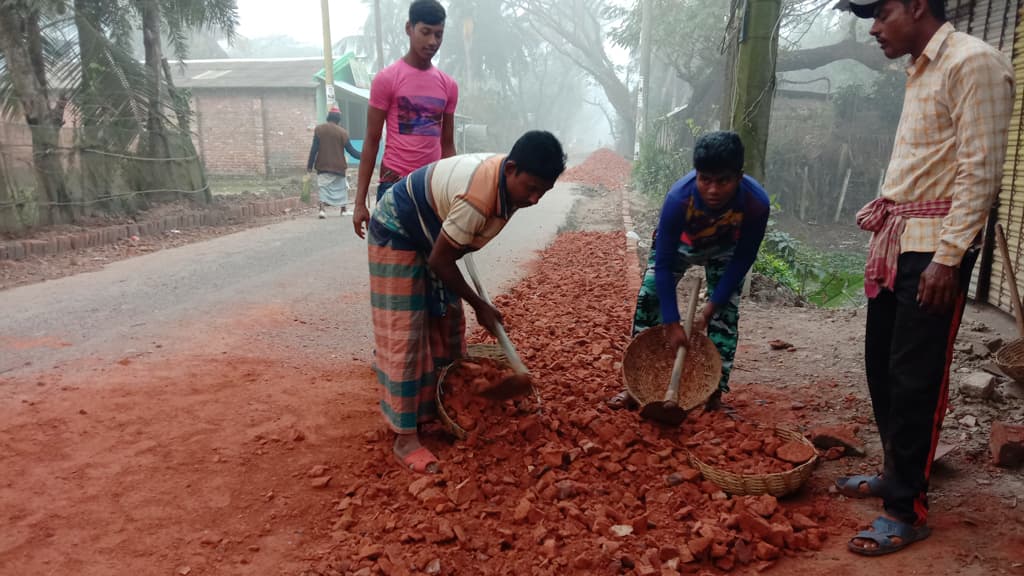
(602, 169)
(575, 489)
(743, 448)
(466, 384)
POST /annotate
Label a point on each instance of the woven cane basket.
(1010, 359)
(489, 351)
(777, 485)
(647, 369)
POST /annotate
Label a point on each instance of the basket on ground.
(1010, 359)
(647, 368)
(473, 351)
(778, 485)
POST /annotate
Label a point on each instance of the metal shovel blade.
(511, 388)
(668, 413)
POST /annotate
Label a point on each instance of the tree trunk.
(21, 44)
(848, 49)
(379, 40)
(755, 81)
(154, 57)
(179, 100)
(156, 174)
(96, 170)
(731, 54)
(192, 169)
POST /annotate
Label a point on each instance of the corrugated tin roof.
(248, 73)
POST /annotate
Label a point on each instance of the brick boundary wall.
(22, 249)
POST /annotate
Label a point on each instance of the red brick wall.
(289, 124)
(230, 125)
(245, 132)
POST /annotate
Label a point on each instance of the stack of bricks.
(91, 238)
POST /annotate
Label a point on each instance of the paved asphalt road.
(133, 307)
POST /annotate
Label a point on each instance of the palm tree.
(56, 52)
(25, 48)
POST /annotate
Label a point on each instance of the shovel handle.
(1008, 270)
(672, 394)
(506, 344)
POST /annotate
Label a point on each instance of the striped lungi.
(412, 345)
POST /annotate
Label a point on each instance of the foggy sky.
(300, 19)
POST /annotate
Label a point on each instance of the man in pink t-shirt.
(418, 103)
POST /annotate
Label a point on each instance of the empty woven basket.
(647, 368)
(1010, 359)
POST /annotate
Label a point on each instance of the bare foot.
(412, 454)
(868, 544)
(885, 536)
(622, 400)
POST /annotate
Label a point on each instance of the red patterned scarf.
(886, 220)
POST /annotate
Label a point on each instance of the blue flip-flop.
(882, 532)
(849, 486)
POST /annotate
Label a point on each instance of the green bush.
(827, 279)
(656, 170)
(774, 267)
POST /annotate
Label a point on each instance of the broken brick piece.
(1007, 444)
(827, 437)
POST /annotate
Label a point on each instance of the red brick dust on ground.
(577, 488)
(196, 462)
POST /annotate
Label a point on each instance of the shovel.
(1008, 266)
(519, 384)
(668, 411)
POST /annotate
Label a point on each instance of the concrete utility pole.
(325, 16)
(755, 80)
(468, 25)
(643, 96)
(379, 26)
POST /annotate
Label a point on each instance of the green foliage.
(774, 267)
(657, 169)
(828, 279)
(660, 166)
(686, 34)
(884, 99)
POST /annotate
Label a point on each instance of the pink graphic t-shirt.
(415, 101)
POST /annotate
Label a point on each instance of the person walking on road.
(420, 228)
(943, 176)
(416, 101)
(327, 157)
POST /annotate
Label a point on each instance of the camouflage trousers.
(723, 329)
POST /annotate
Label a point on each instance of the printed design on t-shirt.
(420, 115)
(704, 230)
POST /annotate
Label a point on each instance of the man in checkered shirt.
(943, 176)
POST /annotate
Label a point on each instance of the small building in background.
(255, 117)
